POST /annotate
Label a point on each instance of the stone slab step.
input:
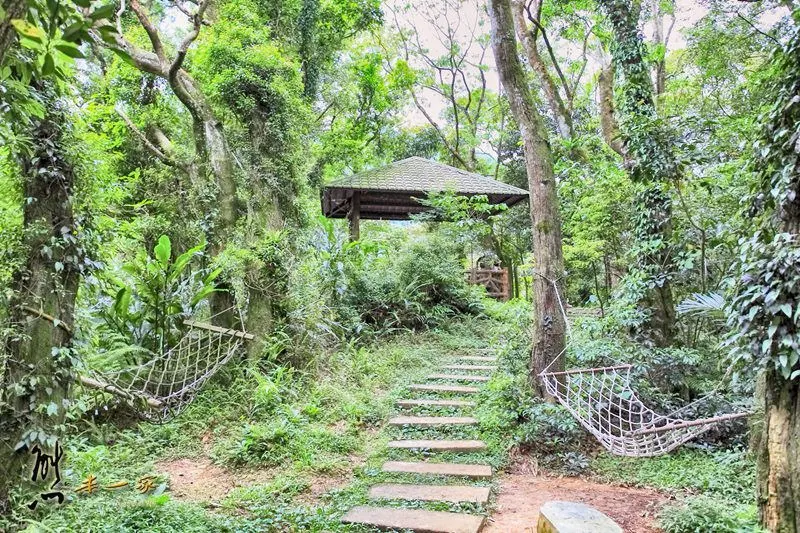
(432, 421)
(491, 368)
(459, 377)
(434, 403)
(445, 388)
(417, 520)
(439, 469)
(478, 358)
(573, 517)
(429, 493)
(439, 445)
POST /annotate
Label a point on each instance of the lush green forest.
(161, 167)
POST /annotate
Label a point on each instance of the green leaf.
(49, 66)
(202, 294)
(29, 31)
(212, 276)
(52, 409)
(70, 50)
(72, 32)
(163, 250)
(183, 260)
(122, 301)
(103, 12)
(161, 499)
(125, 56)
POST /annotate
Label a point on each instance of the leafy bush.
(285, 438)
(726, 474)
(705, 514)
(417, 285)
(149, 301)
(554, 435)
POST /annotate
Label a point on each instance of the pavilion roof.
(391, 191)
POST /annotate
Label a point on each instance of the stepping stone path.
(490, 368)
(414, 519)
(439, 445)
(459, 377)
(439, 469)
(445, 388)
(421, 520)
(432, 421)
(407, 404)
(430, 493)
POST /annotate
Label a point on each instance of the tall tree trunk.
(14, 9)
(608, 121)
(548, 323)
(561, 117)
(659, 38)
(778, 171)
(212, 153)
(37, 371)
(652, 166)
(778, 460)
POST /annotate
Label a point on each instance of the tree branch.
(536, 22)
(149, 145)
(562, 118)
(152, 32)
(197, 21)
(436, 127)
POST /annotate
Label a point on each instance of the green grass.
(302, 425)
(298, 424)
(715, 490)
(726, 474)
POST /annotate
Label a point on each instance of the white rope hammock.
(604, 403)
(162, 387)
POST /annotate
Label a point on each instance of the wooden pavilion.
(392, 192)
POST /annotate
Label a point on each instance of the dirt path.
(521, 495)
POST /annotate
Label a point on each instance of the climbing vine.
(766, 312)
(652, 164)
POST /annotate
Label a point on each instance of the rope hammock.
(162, 387)
(604, 403)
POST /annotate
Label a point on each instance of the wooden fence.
(494, 279)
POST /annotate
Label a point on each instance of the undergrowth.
(299, 424)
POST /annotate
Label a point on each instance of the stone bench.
(572, 517)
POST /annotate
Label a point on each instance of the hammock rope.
(159, 389)
(604, 403)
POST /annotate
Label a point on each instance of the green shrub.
(554, 436)
(705, 514)
(727, 474)
(418, 285)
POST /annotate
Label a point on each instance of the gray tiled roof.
(419, 174)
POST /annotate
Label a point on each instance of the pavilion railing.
(494, 279)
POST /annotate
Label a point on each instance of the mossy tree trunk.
(768, 298)
(37, 369)
(779, 455)
(213, 156)
(649, 157)
(548, 323)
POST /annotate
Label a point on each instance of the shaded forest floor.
(285, 450)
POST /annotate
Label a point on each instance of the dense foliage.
(163, 161)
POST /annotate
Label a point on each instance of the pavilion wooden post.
(354, 216)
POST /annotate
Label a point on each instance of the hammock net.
(604, 403)
(602, 400)
(162, 387)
